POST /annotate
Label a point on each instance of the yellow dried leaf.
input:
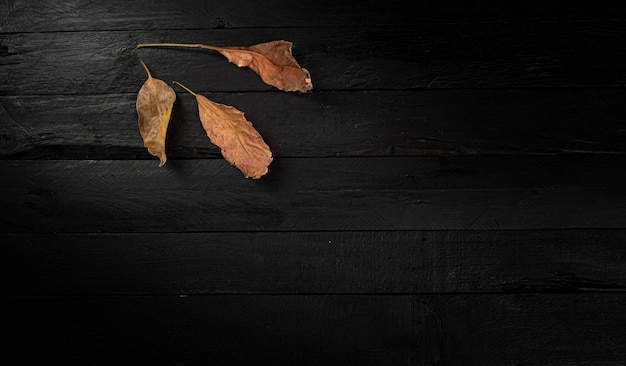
(240, 143)
(154, 107)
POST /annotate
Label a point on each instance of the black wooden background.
(451, 193)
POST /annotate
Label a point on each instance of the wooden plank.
(325, 124)
(136, 196)
(42, 211)
(320, 330)
(42, 16)
(575, 171)
(339, 58)
(313, 262)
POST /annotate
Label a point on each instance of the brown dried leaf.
(240, 142)
(273, 62)
(154, 107)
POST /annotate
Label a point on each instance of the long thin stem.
(167, 45)
(195, 45)
(188, 45)
(186, 88)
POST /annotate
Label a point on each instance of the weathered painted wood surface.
(450, 193)
(450, 329)
(210, 195)
(330, 124)
(477, 261)
(84, 15)
(424, 56)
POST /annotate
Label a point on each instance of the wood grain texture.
(43, 16)
(362, 174)
(313, 330)
(450, 193)
(76, 196)
(339, 58)
(329, 124)
(314, 262)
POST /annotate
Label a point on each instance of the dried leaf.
(240, 142)
(154, 107)
(273, 62)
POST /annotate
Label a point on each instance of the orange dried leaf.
(272, 61)
(154, 107)
(240, 142)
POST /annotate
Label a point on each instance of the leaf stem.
(203, 102)
(146, 68)
(186, 88)
(188, 45)
(166, 45)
